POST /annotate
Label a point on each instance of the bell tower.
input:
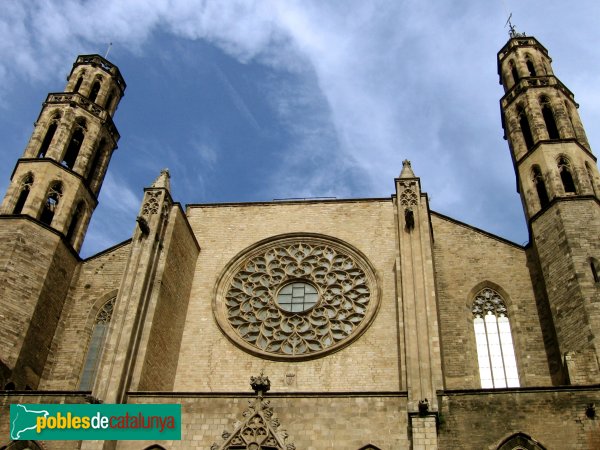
(58, 179)
(45, 213)
(559, 185)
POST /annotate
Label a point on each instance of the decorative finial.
(163, 180)
(260, 384)
(407, 171)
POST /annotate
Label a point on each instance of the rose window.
(296, 297)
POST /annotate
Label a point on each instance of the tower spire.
(558, 180)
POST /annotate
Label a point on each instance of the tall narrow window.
(52, 200)
(95, 166)
(540, 186)
(47, 139)
(25, 187)
(92, 357)
(74, 145)
(530, 67)
(109, 100)
(75, 219)
(78, 84)
(548, 115)
(495, 351)
(595, 268)
(94, 91)
(590, 175)
(564, 167)
(513, 71)
(525, 129)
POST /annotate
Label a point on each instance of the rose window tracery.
(296, 297)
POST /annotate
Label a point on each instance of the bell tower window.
(24, 193)
(548, 115)
(525, 129)
(47, 139)
(94, 91)
(52, 200)
(495, 351)
(74, 145)
(78, 84)
(513, 71)
(75, 219)
(530, 67)
(540, 186)
(564, 167)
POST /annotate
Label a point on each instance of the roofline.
(288, 202)
(479, 230)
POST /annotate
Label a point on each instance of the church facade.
(361, 323)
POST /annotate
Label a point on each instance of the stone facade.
(381, 324)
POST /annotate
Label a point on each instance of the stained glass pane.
(297, 297)
(495, 350)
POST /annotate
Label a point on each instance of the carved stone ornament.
(246, 303)
(488, 301)
(150, 206)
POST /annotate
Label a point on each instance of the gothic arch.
(549, 117)
(540, 186)
(514, 72)
(525, 126)
(566, 174)
(155, 447)
(99, 312)
(49, 135)
(23, 192)
(369, 447)
(75, 143)
(530, 66)
(496, 354)
(520, 441)
(51, 202)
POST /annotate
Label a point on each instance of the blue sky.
(261, 100)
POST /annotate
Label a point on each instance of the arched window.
(520, 441)
(513, 71)
(540, 186)
(94, 91)
(530, 66)
(74, 144)
(495, 352)
(24, 189)
(109, 100)
(75, 219)
(595, 268)
(548, 115)
(590, 175)
(564, 168)
(525, 129)
(78, 84)
(94, 351)
(48, 138)
(95, 166)
(52, 200)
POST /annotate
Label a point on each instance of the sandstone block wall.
(467, 260)
(97, 281)
(566, 236)
(173, 294)
(316, 422)
(208, 361)
(554, 418)
(36, 270)
(6, 399)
